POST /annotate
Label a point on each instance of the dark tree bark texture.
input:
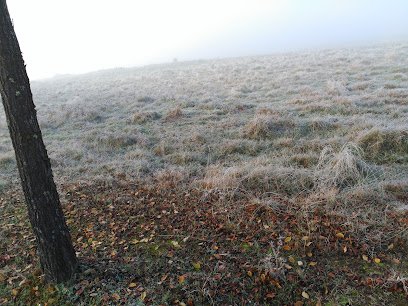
(55, 250)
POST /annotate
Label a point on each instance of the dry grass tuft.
(267, 126)
(336, 88)
(174, 113)
(218, 177)
(342, 169)
(304, 160)
(386, 145)
(143, 117)
(162, 149)
(258, 176)
(116, 141)
(170, 178)
(275, 264)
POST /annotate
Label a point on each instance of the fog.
(70, 37)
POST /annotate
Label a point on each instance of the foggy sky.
(77, 36)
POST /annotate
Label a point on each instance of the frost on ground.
(315, 141)
(194, 115)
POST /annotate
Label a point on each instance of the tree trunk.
(57, 255)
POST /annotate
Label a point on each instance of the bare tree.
(57, 255)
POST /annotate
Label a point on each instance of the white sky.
(76, 36)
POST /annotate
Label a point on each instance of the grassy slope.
(235, 146)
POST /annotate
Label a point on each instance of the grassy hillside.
(294, 165)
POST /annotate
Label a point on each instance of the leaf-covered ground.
(147, 244)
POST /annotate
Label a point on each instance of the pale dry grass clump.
(385, 145)
(238, 146)
(342, 169)
(336, 87)
(162, 149)
(116, 140)
(143, 117)
(258, 176)
(145, 99)
(61, 114)
(274, 263)
(317, 125)
(288, 181)
(267, 126)
(174, 113)
(218, 177)
(305, 160)
(170, 178)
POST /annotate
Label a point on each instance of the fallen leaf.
(305, 295)
(286, 247)
(312, 263)
(78, 292)
(365, 257)
(143, 295)
(288, 239)
(276, 283)
(396, 261)
(116, 296)
(377, 260)
(182, 279)
(162, 279)
(175, 244)
(197, 265)
(340, 235)
(132, 285)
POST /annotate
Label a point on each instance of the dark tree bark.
(55, 250)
